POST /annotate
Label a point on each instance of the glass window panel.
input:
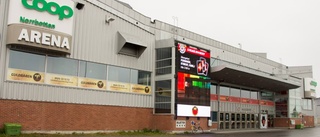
(214, 116)
(234, 92)
(213, 89)
(245, 94)
(227, 116)
(163, 61)
(163, 53)
(144, 78)
(224, 91)
(221, 116)
(64, 66)
(163, 96)
(140, 77)
(93, 70)
(254, 95)
(26, 61)
(309, 104)
(118, 74)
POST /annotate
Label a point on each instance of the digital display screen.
(193, 60)
(193, 81)
(193, 89)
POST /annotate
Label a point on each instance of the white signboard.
(193, 110)
(181, 123)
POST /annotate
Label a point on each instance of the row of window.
(73, 67)
(237, 92)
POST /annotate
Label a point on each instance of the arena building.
(100, 66)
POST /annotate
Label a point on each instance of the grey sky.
(287, 30)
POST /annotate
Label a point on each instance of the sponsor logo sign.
(61, 80)
(140, 89)
(25, 76)
(50, 7)
(118, 86)
(92, 83)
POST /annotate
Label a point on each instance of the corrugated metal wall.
(219, 49)
(97, 41)
(3, 24)
(33, 92)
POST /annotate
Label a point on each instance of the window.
(163, 96)
(221, 116)
(214, 116)
(92, 70)
(118, 74)
(163, 61)
(243, 117)
(245, 94)
(234, 92)
(213, 89)
(227, 116)
(307, 104)
(254, 95)
(233, 117)
(140, 77)
(27, 61)
(238, 117)
(63, 66)
(294, 107)
(224, 91)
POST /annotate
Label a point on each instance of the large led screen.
(193, 60)
(193, 82)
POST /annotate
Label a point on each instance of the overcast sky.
(287, 30)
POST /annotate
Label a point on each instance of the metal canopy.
(130, 45)
(249, 78)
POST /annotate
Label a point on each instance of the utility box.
(300, 126)
(12, 129)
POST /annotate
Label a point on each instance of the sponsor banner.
(92, 83)
(254, 101)
(193, 110)
(230, 98)
(266, 102)
(140, 89)
(61, 80)
(213, 97)
(249, 101)
(117, 86)
(224, 98)
(25, 76)
(246, 100)
(234, 99)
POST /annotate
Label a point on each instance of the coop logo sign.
(63, 12)
(313, 83)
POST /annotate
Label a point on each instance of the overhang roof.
(250, 78)
(130, 45)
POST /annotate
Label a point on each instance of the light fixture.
(109, 19)
(79, 6)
